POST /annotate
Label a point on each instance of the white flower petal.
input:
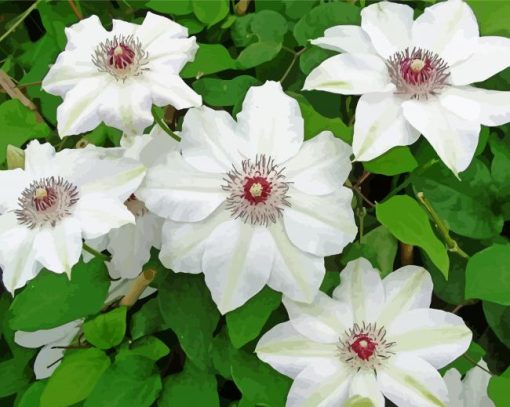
(88, 32)
(411, 382)
(43, 337)
(295, 273)
(183, 243)
(436, 336)
(167, 89)
(475, 387)
(289, 352)
(13, 183)
(150, 149)
(321, 225)
(236, 263)
(454, 138)
(130, 245)
(490, 56)
(271, 121)
(324, 320)
(99, 213)
(209, 141)
(324, 385)
(489, 107)
(58, 248)
(125, 28)
(380, 125)
(17, 256)
(345, 38)
(171, 54)
(350, 74)
(39, 161)
(388, 25)
(448, 28)
(320, 166)
(127, 106)
(98, 243)
(364, 384)
(79, 111)
(362, 288)
(407, 288)
(155, 26)
(454, 385)
(175, 190)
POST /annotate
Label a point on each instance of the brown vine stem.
(406, 254)
(75, 10)
(13, 91)
(139, 285)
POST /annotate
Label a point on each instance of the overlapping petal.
(345, 38)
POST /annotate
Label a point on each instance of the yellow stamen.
(41, 193)
(118, 50)
(417, 65)
(256, 190)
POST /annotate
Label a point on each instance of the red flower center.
(256, 189)
(121, 56)
(364, 347)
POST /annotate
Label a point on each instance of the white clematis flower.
(53, 342)
(130, 245)
(374, 338)
(248, 203)
(472, 390)
(58, 199)
(116, 76)
(415, 77)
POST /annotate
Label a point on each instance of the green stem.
(163, 125)
(95, 253)
(477, 365)
(451, 243)
(294, 59)
(20, 20)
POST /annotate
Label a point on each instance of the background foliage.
(174, 348)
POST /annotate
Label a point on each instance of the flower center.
(135, 206)
(417, 73)
(365, 346)
(122, 57)
(257, 192)
(46, 201)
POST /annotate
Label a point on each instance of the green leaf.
(147, 320)
(210, 58)
(313, 24)
(180, 7)
(245, 323)
(210, 12)
(192, 24)
(385, 245)
(51, 300)
(191, 387)
(498, 318)
(14, 377)
(499, 167)
(262, 34)
(295, 9)
(180, 296)
(330, 282)
(492, 16)
(18, 124)
(149, 347)
(129, 382)
(409, 223)
(220, 92)
(312, 58)
(395, 161)
(498, 388)
(487, 275)
(467, 205)
(32, 395)
(75, 377)
(316, 123)
(55, 18)
(106, 330)
(450, 290)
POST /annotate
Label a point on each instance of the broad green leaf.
(210, 12)
(106, 330)
(75, 377)
(498, 388)
(465, 362)
(55, 18)
(192, 24)
(499, 168)
(498, 318)
(51, 300)
(409, 223)
(13, 377)
(210, 58)
(32, 395)
(295, 9)
(149, 347)
(18, 124)
(220, 92)
(385, 245)
(492, 16)
(129, 382)
(313, 24)
(191, 387)
(312, 57)
(466, 205)
(395, 161)
(330, 282)
(184, 295)
(147, 320)
(180, 7)
(450, 290)
(245, 323)
(487, 275)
